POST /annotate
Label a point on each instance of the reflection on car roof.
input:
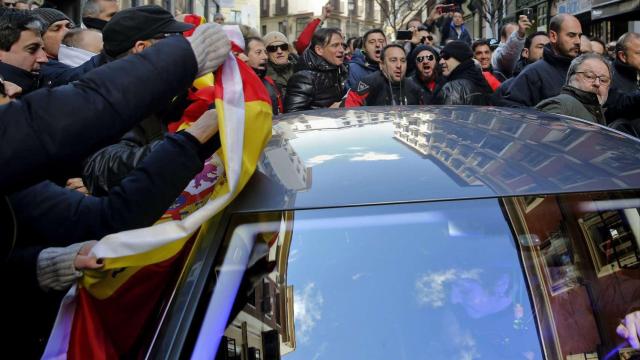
(339, 157)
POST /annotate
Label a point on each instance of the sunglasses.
(429, 37)
(425, 58)
(274, 48)
(445, 56)
(9, 5)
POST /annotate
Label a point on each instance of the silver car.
(419, 233)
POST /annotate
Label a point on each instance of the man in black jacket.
(626, 67)
(37, 140)
(21, 49)
(427, 74)
(464, 84)
(320, 74)
(131, 31)
(545, 78)
(388, 86)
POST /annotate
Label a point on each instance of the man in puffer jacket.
(320, 75)
(465, 84)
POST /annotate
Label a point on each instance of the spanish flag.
(107, 314)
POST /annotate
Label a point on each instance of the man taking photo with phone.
(512, 37)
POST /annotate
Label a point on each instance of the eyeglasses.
(425, 58)
(591, 76)
(274, 48)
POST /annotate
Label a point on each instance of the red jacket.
(305, 36)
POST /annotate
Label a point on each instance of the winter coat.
(504, 58)
(465, 85)
(359, 67)
(316, 84)
(281, 73)
(45, 129)
(274, 94)
(427, 88)
(376, 90)
(63, 216)
(27, 80)
(449, 32)
(88, 114)
(541, 80)
(625, 77)
(574, 102)
(54, 73)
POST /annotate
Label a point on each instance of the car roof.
(372, 155)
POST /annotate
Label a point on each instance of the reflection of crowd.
(81, 156)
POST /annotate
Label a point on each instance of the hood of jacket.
(468, 70)
(557, 60)
(360, 57)
(312, 61)
(27, 80)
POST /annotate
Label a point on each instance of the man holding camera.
(512, 38)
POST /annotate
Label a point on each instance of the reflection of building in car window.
(583, 253)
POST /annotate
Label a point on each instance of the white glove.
(211, 46)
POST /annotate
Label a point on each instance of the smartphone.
(447, 8)
(528, 12)
(404, 35)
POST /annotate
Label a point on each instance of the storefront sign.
(574, 6)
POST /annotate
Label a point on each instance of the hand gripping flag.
(106, 314)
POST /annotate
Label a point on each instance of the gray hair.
(577, 62)
(91, 9)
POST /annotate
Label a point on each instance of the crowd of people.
(85, 111)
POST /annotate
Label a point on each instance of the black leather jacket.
(464, 86)
(315, 84)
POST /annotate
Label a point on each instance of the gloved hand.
(211, 46)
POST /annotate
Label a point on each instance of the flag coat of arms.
(107, 314)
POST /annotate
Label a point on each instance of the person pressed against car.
(585, 91)
(366, 60)
(389, 85)
(257, 57)
(321, 75)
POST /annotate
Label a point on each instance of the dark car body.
(419, 232)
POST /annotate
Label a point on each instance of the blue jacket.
(359, 67)
(54, 73)
(50, 127)
(49, 215)
(541, 80)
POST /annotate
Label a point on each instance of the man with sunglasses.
(464, 84)
(585, 91)
(427, 73)
(281, 62)
(366, 60)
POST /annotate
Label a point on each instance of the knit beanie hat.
(458, 50)
(50, 16)
(274, 36)
(421, 48)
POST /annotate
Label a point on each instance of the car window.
(375, 282)
(581, 255)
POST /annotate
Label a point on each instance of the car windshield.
(381, 282)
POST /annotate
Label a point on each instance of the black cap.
(458, 50)
(138, 23)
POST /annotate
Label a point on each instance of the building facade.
(290, 17)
